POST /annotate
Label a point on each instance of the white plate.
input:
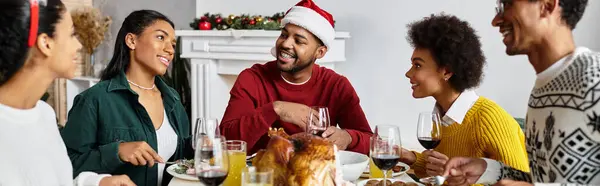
(171, 170)
(366, 172)
(362, 183)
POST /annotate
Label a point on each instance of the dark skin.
(536, 30)
(297, 50)
(532, 28)
(151, 52)
(303, 48)
(429, 79)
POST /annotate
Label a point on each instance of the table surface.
(180, 182)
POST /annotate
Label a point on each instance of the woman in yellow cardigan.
(447, 61)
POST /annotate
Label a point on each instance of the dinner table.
(181, 182)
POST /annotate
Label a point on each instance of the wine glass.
(318, 120)
(386, 148)
(429, 130)
(211, 160)
(205, 126)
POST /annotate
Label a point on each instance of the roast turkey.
(299, 160)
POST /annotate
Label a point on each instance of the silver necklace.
(145, 88)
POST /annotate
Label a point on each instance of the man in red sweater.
(279, 93)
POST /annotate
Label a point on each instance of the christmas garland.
(240, 22)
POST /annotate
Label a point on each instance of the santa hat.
(309, 16)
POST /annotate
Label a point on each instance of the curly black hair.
(14, 32)
(453, 44)
(572, 11)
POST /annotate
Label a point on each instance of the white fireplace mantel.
(217, 53)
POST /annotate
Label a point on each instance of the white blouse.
(167, 144)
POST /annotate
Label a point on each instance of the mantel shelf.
(241, 33)
(236, 50)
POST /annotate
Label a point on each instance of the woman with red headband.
(38, 45)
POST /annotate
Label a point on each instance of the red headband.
(33, 24)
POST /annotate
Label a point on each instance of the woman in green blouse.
(131, 121)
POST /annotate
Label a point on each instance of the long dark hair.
(14, 31)
(135, 23)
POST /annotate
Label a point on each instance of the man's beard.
(298, 65)
(514, 50)
(297, 68)
(518, 46)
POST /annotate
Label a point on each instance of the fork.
(173, 162)
(434, 180)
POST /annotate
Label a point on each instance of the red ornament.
(218, 20)
(205, 25)
(252, 22)
(203, 18)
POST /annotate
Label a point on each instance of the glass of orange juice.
(255, 177)
(237, 162)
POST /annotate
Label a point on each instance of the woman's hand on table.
(435, 162)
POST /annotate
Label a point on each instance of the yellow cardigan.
(487, 131)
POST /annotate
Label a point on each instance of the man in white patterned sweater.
(563, 118)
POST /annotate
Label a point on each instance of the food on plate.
(405, 184)
(398, 168)
(377, 182)
(185, 167)
(299, 160)
(388, 182)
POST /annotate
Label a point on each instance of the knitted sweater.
(486, 131)
(563, 125)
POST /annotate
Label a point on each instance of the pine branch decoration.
(239, 22)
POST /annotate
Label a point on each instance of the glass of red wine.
(429, 130)
(318, 120)
(205, 126)
(385, 148)
(211, 160)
